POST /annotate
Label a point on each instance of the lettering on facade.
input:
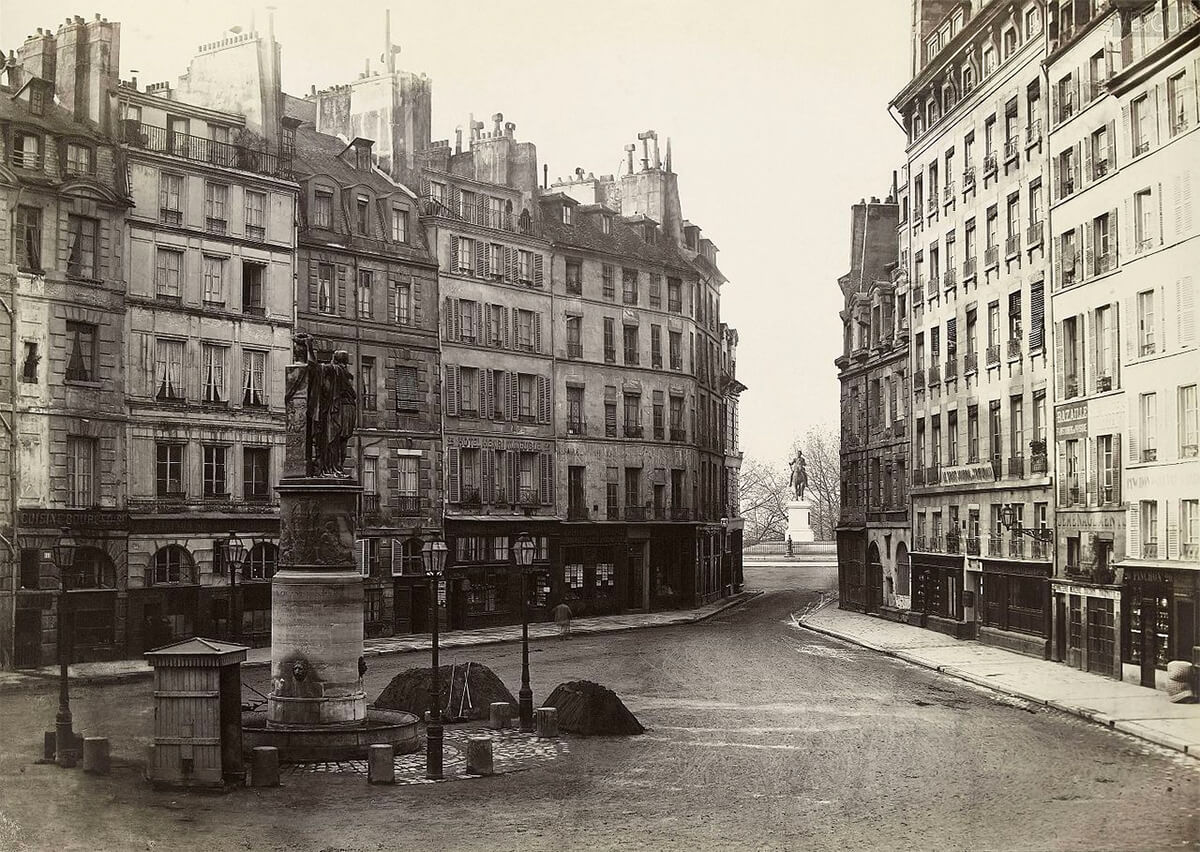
(981, 472)
(1091, 520)
(75, 518)
(1070, 421)
(475, 442)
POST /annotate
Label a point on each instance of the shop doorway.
(29, 639)
(1060, 627)
(635, 565)
(874, 579)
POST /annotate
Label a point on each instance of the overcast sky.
(777, 112)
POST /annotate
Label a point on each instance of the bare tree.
(763, 491)
(822, 453)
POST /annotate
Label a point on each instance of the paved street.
(759, 735)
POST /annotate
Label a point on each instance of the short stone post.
(479, 755)
(264, 767)
(501, 712)
(547, 722)
(49, 740)
(381, 768)
(96, 759)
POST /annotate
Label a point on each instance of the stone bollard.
(501, 712)
(48, 745)
(479, 755)
(381, 768)
(96, 759)
(264, 767)
(547, 722)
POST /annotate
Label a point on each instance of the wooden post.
(479, 755)
(547, 722)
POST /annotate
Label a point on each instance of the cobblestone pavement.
(512, 751)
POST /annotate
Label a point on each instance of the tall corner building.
(976, 250)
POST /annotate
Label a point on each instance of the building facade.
(63, 456)
(974, 113)
(873, 528)
(1123, 153)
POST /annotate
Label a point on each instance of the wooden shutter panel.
(1183, 204)
(1093, 485)
(514, 397)
(1089, 252)
(455, 198)
(448, 318)
(1185, 308)
(1155, 99)
(504, 325)
(478, 308)
(1058, 255)
(1089, 348)
(1059, 362)
(343, 309)
(1037, 315)
(1127, 229)
(426, 192)
(1118, 468)
(456, 317)
(514, 476)
(480, 263)
(546, 469)
(360, 548)
(1156, 204)
(543, 401)
(537, 270)
(1134, 525)
(312, 287)
(1134, 428)
(1087, 160)
(485, 268)
(485, 332)
(1112, 146)
(453, 253)
(487, 477)
(537, 331)
(1162, 318)
(487, 398)
(509, 274)
(516, 326)
(481, 208)
(453, 399)
(453, 475)
(1060, 474)
(1127, 129)
(1077, 166)
(1172, 532)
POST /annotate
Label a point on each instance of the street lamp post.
(233, 552)
(65, 752)
(433, 557)
(523, 549)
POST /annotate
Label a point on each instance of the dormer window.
(651, 233)
(37, 100)
(606, 224)
(27, 151)
(362, 219)
(566, 214)
(79, 159)
(968, 78)
(362, 157)
(989, 60)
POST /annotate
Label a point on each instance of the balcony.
(918, 477)
(970, 363)
(470, 499)
(968, 178)
(972, 546)
(631, 358)
(610, 430)
(1039, 463)
(933, 203)
(970, 268)
(1074, 493)
(1189, 451)
(1016, 466)
(574, 350)
(989, 164)
(921, 543)
(370, 504)
(997, 467)
(1012, 245)
(1012, 149)
(936, 543)
(1016, 547)
(199, 149)
(677, 364)
(576, 511)
(933, 475)
(634, 430)
(1104, 383)
(1147, 348)
(1039, 549)
(991, 257)
(681, 513)
(1149, 454)
(953, 544)
(576, 427)
(1014, 348)
(1141, 147)
(1035, 233)
(1066, 107)
(574, 286)
(1106, 262)
(1033, 133)
(637, 513)
(610, 356)
(993, 355)
(918, 293)
(369, 401)
(950, 278)
(678, 433)
(935, 374)
(1099, 169)
(1149, 549)
(948, 193)
(408, 505)
(995, 546)
(919, 377)
(529, 497)
(951, 369)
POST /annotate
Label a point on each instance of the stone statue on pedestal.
(799, 475)
(330, 406)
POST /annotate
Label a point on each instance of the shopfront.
(938, 595)
(1015, 610)
(1158, 620)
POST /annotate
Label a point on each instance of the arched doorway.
(874, 579)
(903, 576)
(92, 603)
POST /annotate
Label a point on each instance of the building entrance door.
(1060, 627)
(636, 590)
(29, 639)
(874, 580)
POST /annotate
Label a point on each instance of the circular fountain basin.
(312, 743)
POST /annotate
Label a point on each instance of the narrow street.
(759, 735)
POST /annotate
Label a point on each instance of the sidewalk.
(124, 670)
(1136, 710)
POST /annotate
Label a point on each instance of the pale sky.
(777, 112)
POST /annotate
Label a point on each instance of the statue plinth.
(316, 606)
(799, 529)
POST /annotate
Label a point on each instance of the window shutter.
(1185, 306)
(452, 400)
(1037, 315)
(1134, 526)
(453, 475)
(455, 197)
(514, 396)
(1087, 159)
(1127, 229)
(1118, 469)
(1172, 533)
(543, 392)
(364, 567)
(478, 307)
(1059, 362)
(1134, 428)
(342, 306)
(504, 325)
(425, 189)
(1061, 475)
(1155, 100)
(1127, 130)
(487, 398)
(397, 559)
(481, 209)
(514, 476)
(1082, 342)
(480, 263)
(1156, 204)
(1183, 204)
(546, 465)
(1077, 166)
(537, 332)
(485, 268)
(453, 253)
(448, 318)
(1093, 462)
(509, 264)
(312, 287)
(456, 317)
(1112, 146)
(1089, 348)
(537, 270)
(1161, 319)
(487, 484)
(516, 328)
(1058, 255)
(1089, 253)
(486, 330)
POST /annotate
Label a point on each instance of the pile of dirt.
(592, 710)
(466, 688)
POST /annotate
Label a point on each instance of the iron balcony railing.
(1105, 262)
(973, 546)
(989, 164)
(933, 202)
(950, 278)
(1104, 383)
(948, 193)
(918, 293)
(576, 427)
(529, 497)
(997, 467)
(574, 350)
(970, 268)
(921, 543)
(470, 498)
(1016, 466)
(370, 504)
(577, 511)
(681, 513)
(970, 362)
(919, 377)
(1012, 149)
(968, 178)
(935, 374)
(1033, 133)
(1149, 549)
(634, 430)
(1034, 233)
(1039, 549)
(918, 477)
(951, 369)
(991, 256)
(678, 433)
(196, 148)
(1016, 547)
(1038, 463)
(636, 513)
(1014, 348)
(481, 213)
(995, 545)
(993, 355)
(953, 544)
(408, 505)
(1012, 245)
(933, 475)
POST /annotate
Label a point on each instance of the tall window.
(168, 369)
(81, 352)
(1148, 408)
(323, 210)
(525, 265)
(574, 337)
(362, 215)
(256, 473)
(215, 482)
(1106, 466)
(656, 346)
(608, 281)
(254, 376)
(408, 476)
(1071, 357)
(81, 262)
(170, 192)
(1189, 435)
(81, 472)
(168, 272)
(26, 151)
(27, 237)
(252, 286)
(610, 345)
(214, 280)
(168, 566)
(366, 369)
(574, 276)
(212, 372)
(1140, 116)
(1149, 529)
(216, 200)
(1189, 529)
(399, 225)
(370, 475)
(525, 330)
(408, 393)
(169, 469)
(256, 215)
(574, 410)
(1147, 328)
(403, 304)
(366, 281)
(1144, 221)
(633, 487)
(1178, 94)
(629, 286)
(325, 302)
(1105, 342)
(631, 344)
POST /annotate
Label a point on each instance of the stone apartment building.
(63, 456)
(974, 113)
(209, 275)
(873, 529)
(368, 285)
(1123, 150)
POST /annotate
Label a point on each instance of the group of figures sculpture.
(331, 406)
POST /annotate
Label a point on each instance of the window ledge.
(80, 383)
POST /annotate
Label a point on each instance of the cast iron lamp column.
(233, 552)
(433, 557)
(65, 753)
(523, 549)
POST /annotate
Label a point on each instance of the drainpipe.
(9, 306)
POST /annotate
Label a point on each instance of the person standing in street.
(562, 618)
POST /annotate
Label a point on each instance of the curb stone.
(1130, 728)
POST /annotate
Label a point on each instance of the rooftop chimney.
(629, 149)
(497, 118)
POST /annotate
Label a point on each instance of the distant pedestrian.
(562, 618)
(790, 551)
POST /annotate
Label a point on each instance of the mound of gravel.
(592, 710)
(467, 690)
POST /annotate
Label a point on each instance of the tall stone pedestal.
(316, 607)
(799, 529)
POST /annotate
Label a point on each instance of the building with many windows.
(63, 455)
(209, 271)
(1123, 149)
(974, 113)
(873, 528)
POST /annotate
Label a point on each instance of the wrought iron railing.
(681, 513)
(1014, 348)
(199, 149)
(991, 256)
(970, 268)
(1034, 234)
(1012, 244)
(970, 362)
(1016, 466)
(993, 355)
(636, 513)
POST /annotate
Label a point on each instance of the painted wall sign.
(1070, 421)
(97, 519)
(978, 472)
(475, 442)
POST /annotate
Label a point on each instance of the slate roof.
(622, 239)
(54, 118)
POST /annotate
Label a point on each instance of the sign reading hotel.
(1070, 421)
(965, 473)
(475, 442)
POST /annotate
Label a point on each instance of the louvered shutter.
(506, 396)
(1060, 474)
(1077, 166)
(1183, 204)
(1089, 349)
(312, 287)
(509, 260)
(453, 475)
(1155, 204)
(1172, 532)
(448, 318)
(1112, 146)
(546, 466)
(1185, 307)
(425, 189)
(477, 307)
(537, 270)
(543, 401)
(481, 209)
(480, 261)
(1058, 257)
(1087, 160)
(485, 268)
(453, 253)
(1059, 362)
(537, 332)
(1118, 469)
(489, 394)
(1127, 130)
(1037, 315)
(516, 326)
(1133, 433)
(1134, 526)
(485, 331)
(360, 551)
(1079, 257)
(1114, 339)
(1162, 319)
(1081, 346)
(1093, 485)
(1089, 252)
(951, 336)
(455, 198)
(514, 396)
(456, 318)
(343, 307)
(1085, 80)
(453, 399)
(504, 326)
(487, 484)
(1154, 100)
(1127, 229)
(514, 476)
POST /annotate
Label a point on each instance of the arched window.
(260, 562)
(968, 76)
(903, 582)
(526, 222)
(171, 564)
(92, 569)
